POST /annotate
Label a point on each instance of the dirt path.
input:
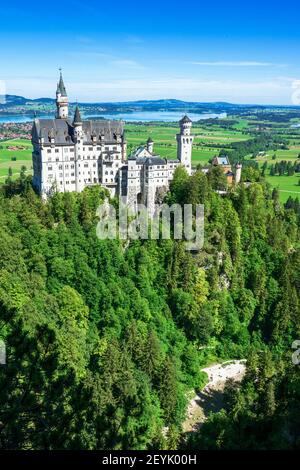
(210, 399)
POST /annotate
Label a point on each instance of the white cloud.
(242, 63)
(133, 39)
(276, 91)
(127, 63)
(85, 40)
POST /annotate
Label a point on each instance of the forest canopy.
(104, 340)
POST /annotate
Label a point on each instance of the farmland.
(210, 138)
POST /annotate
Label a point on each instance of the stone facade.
(224, 163)
(69, 155)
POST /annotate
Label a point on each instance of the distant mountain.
(14, 100)
(28, 105)
(43, 100)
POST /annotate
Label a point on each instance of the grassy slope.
(23, 157)
(287, 185)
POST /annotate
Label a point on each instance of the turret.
(150, 144)
(238, 173)
(61, 99)
(185, 143)
(185, 125)
(77, 123)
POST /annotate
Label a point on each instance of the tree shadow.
(211, 401)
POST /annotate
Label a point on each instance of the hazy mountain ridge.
(12, 102)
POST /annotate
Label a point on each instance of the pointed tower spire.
(77, 118)
(61, 86)
(61, 99)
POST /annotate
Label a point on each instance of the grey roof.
(185, 119)
(63, 130)
(221, 161)
(77, 118)
(155, 160)
(150, 140)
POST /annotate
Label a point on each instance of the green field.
(23, 157)
(164, 137)
(287, 185)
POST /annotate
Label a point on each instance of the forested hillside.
(104, 340)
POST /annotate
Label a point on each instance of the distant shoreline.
(133, 116)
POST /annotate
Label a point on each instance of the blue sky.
(242, 52)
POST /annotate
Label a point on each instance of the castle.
(69, 155)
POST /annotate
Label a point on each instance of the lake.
(137, 116)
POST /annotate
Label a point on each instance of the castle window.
(66, 149)
(56, 150)
(71, 150)
(48, 150)
(90, 148)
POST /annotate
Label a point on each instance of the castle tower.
(150, 144)
(61, 99)
(77, 123)
(238, 173)
(185, 143)
(78, 150)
